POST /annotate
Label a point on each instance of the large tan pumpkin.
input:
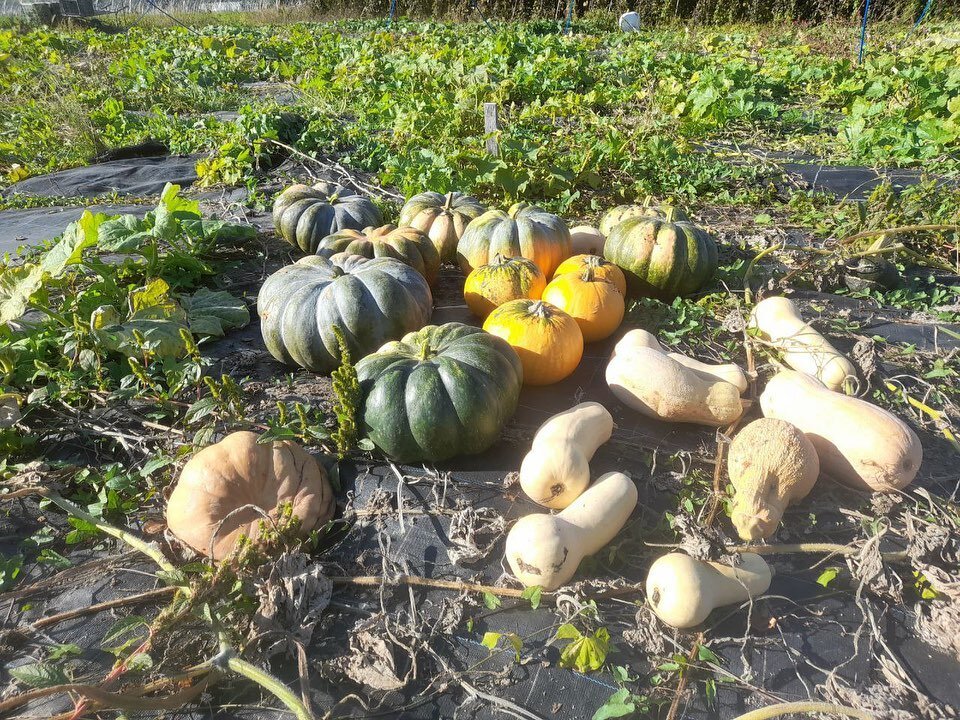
(442, 217)
(204, 509)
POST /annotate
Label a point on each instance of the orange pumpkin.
(548, 341)
(504, 279)
(596, 304)
(602, 270)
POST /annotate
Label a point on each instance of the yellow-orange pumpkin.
(596, 304)
(548, 341)
(504, 279)
(602, 269)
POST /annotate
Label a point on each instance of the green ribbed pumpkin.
(523, 231)
(444, 391)
(662, 259)
(304, 215)
(406, 244)
(613, 217)
(371, 301)
(442, 217)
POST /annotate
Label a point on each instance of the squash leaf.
(17, 286)
(78, 236)
(213, 312)
(586, 652)
(122, 234)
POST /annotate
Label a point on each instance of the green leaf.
(491, 601)
(763, 219)
(123, 234)
(17, 286)
(213, 312)
(171, 211)
(532, 594)
(40, 675)
(69, 249)
(710, 688)
(618, 705)
(585, 653)
(124, 627)
(139, 661)
(828, 576)
(705, 654)
(490, 640)
(58, 652)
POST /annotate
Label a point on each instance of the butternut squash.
(779, 322)
(729, 372)
(546, 550)
(858, 443)
(683, 591)
(771, 464)
(556, 471)
(658, 386)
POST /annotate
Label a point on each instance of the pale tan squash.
(556, 471)
(858, 443)
(206, 508)
(778, 321)
(546, 550)
(728, 372)
(586, 240)
(683, 591)
(658, 386)
(771, 464)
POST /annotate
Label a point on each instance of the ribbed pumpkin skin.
(601, 268)
(444, 391)
(504, 279)
(523, 231)
(371, 301)
(442, 217)
(304, 215)
(661, 259)
(613, 217)
(406, 244)
(596, 304)
(548, 341)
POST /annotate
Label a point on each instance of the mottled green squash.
(371, 301)
(613, 217)
(438, 393)
(662, 259)
(406, 244)
(303, 215)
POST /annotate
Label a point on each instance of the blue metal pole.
(926, 9)
(393, 11)
(566, 29)
(476, 9)
(863, 32)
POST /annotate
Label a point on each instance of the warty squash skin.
(442, 217)
(858, 443)
(406, 244)
(613, 217)
(601, 269)
(595, 303)
(441, 392)
(556, 471)
(523, 231)
(303, 215)
(371, 301)
(662, 259)
(657, 386)
(504, 279)
(779, 322)
(586, 240)
(771, 464)
(546, 550)
(204, 509)
(683, 591)
(548, 341)
(728, 372)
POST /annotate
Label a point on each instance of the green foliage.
(492, 639)
(585, 652)
(10, 568)
(346, 390)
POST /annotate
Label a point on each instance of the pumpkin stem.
(499, 259)
(449, 203)
(587, 275)
(670, 212)
(539, 309)
(425, 351)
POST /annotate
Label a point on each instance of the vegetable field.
(479, 369)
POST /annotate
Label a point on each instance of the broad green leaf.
(40, 675)
(17, 286)
(533, 594)
(151, 295)
(213, 312)
(122, 234)
(618, 705)
(586, 653)
(69, 249)
(124, 628)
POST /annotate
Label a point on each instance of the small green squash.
(524, 231)
(662, 259)
(442, 217)
(444, 391)
(371, 301)
(406, 244)
(304, 215)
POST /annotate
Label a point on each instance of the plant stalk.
(805, 707)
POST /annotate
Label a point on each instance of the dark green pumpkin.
(406, 244)
(304, 215)
(444, 391)
(371, 301)
(613, 217)
(662, 259)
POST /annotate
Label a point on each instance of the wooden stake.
(491, 126)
